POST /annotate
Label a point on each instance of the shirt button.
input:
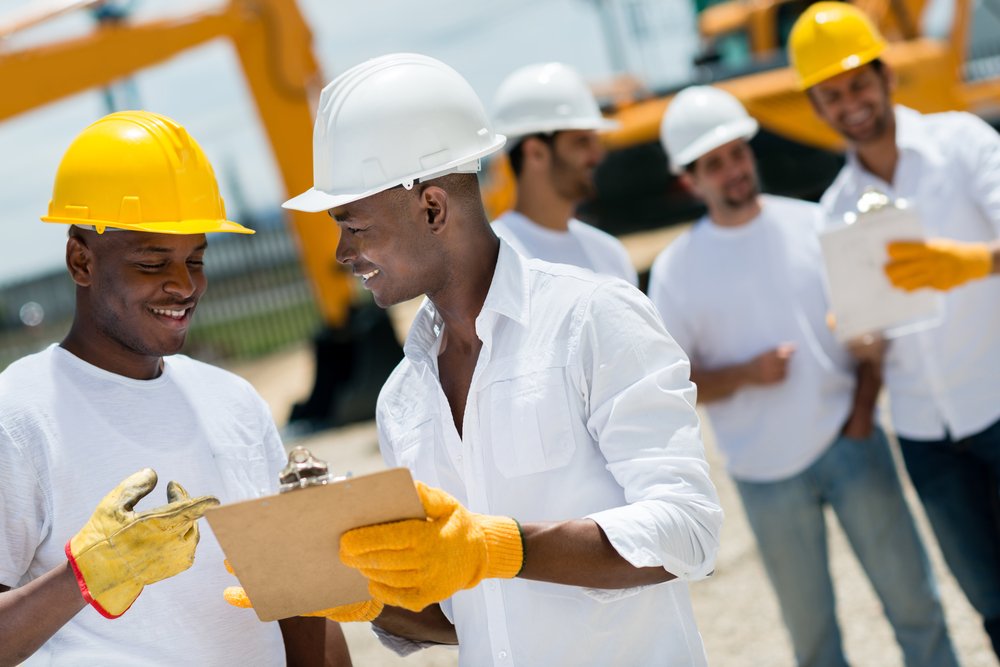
(502, 655)
(458, 459)
(493, 585)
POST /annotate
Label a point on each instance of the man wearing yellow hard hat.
(114, 401)
(943, 383)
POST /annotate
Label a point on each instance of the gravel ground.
(736, 609)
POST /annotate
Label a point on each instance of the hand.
(348, 613)
(870, 347)
(938, 263)
(118, 551)
(771, 366)
(415, 563)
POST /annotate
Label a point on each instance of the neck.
(726, 216)
(538, 201)
(86, 342)
(880, 155)
(461, 296)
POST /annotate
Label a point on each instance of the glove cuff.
(114, 594)
(504, 547)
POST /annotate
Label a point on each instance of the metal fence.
(258, 300)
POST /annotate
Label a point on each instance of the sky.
(204, 90)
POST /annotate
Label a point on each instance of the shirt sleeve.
(642, 416)
(667, 303)
(981, 147)
(25, 520)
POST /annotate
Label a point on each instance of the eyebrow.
(342, 217)
(163, 251)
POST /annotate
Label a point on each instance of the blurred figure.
(551, 121)
(743, 293)
(943, 383)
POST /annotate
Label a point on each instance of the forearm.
(995, 254)
(429, 625)
(869, 383)
(578, 553)
(314, 642)
(31, 614)
(720, 383)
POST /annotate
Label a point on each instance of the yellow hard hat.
(830, 38)
(140, 171)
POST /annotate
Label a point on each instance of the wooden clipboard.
(284, 548)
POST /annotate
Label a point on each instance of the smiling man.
(546, 413)
(115, 398)
(943, 383)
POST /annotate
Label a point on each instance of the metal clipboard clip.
(304, 470)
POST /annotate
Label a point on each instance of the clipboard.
(862, 297)
(284, 548)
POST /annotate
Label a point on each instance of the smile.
(366, 276)
(174, 314)
(858, 118)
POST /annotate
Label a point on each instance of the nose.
(345, 248)
(181, 283)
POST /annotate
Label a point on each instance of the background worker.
(530, 390)
(943, 383)
(115, 398)
(743, 293)
(551, 121)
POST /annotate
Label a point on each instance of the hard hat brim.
(183, 227)
(315, 200)
(852, 61)
(742, 128)
(519, 130)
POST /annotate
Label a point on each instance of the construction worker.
(743, 294)
(115, 398)
(543, 408)
(943, 386)
(551, 121)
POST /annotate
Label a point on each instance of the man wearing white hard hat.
(743, 293)
(551, 121)
(545, 412)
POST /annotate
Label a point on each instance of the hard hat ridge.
(830, 38)
(394, 120)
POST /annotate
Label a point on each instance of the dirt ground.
(736, 609)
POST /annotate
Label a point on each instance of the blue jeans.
(858, 479)
(957, 482)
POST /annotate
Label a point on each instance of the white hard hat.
(700, 119)
(394, 120)
(546, 98)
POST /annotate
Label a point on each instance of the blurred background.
(243, 77)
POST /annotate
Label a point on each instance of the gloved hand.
(415, 563)
(938, 263)
(118, 551)
(348, 613)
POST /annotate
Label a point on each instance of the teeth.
(858, 118)
(177, 314)
(369, 275)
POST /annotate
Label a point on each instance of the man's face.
(386, 242)
(725, 177)
(856, 103)
(575, 155)
(144, 288)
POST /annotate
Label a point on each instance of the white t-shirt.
(581, 245)
(70, 433)
(729, 294)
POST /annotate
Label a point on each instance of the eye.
(196, 261)
(150, 267)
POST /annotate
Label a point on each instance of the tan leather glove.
(118, 552)
(415, 563)
(348, 613)
(938, 263)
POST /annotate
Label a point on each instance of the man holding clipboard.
(530, 391)
(943, 383)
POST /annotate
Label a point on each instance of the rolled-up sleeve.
(643, 417)
(24, 510)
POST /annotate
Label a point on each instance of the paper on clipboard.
(284, 548)
(863, 299)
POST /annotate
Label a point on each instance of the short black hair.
(516, 153)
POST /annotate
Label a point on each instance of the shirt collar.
(508, 297)
(911, 135)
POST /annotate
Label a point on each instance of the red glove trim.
(86, 591)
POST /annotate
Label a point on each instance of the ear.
(688, 183)
(79, 261)
(889, 78)
(435, 207)
(537, 154)
(811, 96)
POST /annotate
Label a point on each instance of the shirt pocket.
(531, 423)
(411, 445)
(243, 469)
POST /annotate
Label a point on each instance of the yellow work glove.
(119, 551)
(938, 263)
(415, 563)
(348, 613)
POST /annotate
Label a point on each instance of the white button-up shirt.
(580, 406)
(949, 167)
